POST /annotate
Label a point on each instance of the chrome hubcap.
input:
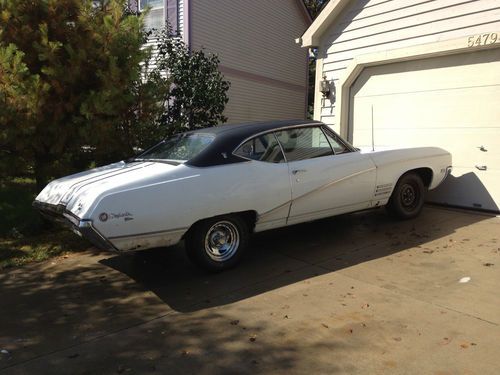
(222, 241)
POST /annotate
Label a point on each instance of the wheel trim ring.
(222, 241)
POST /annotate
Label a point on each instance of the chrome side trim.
(325, 210)
(327, 185)
(383, 189)
(274, 209)
(318, 189)
(150, 233)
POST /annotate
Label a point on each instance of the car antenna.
(373, 135)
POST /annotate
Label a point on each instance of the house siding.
(255, 38)
(250, 100)
(366, 27)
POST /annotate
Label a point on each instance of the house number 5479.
(482, 39)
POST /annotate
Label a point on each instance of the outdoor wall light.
(325, 87)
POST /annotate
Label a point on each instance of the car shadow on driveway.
(54, 306)
(285, 256)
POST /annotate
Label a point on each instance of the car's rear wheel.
(219, 243)
(408, 197)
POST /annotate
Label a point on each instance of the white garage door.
(451, 102)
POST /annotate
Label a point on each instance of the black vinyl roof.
(229, 136)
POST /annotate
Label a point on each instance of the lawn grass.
(19, 251)
(16, 213)
(24, 237)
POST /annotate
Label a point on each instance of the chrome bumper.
(82, 227)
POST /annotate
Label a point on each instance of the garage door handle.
(482, 167)
(295, 171)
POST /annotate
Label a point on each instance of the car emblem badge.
(103, 216)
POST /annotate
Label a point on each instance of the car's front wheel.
(218, 243)
(408, 197)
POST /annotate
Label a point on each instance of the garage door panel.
(466, 107)
(464, 144)
(447, 72)
(450, 102)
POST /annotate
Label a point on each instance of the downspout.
(307, 85)
(187, 23)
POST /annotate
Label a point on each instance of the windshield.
(179, 148)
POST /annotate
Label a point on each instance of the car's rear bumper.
(82, 227)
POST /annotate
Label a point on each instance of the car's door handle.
(482, 167)
(295, 171)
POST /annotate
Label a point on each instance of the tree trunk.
(41, 169)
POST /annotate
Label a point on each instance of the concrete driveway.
(357, 294)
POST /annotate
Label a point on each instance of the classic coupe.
(214, 187)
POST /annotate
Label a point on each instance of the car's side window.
(304, 143)
(337, 146)
(262, 148)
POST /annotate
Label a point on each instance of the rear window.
(178, 148)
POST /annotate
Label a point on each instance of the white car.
(214, 187)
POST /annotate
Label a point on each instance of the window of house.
(155, 19)
(261, 148)
(143, 4)
(304, 143)
(160, 12)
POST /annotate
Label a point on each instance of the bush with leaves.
(71, 79)
(198, 92)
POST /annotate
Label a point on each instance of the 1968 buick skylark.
(214, 187)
